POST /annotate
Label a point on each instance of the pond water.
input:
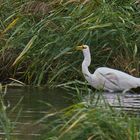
(129, 101)
(35, 103)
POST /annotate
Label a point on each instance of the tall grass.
(85, 121)
(7, 125)
(38, 36)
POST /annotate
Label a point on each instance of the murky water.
(35, 103)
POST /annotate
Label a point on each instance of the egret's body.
(107, 78)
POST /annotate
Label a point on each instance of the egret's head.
(82, 47)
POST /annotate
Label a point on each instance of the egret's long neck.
(86, 62)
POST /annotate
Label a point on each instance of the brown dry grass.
(126, 63)
(44, 8)
(36, 8)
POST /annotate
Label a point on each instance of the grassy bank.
(37, 38)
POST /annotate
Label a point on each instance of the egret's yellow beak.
(80, 47)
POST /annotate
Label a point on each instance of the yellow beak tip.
(79, 48)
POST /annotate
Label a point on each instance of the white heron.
(106, 78)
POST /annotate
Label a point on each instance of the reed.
(92, 120)
(7, 125)
(40, 37)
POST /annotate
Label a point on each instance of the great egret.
(107, 78)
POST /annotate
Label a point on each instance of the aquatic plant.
(36, 38)
(7, 125)
(91, 121)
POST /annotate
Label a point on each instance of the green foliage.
(86, 121)
(7, 125)
(42, 39)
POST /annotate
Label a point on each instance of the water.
(35, 104)
(129, 101)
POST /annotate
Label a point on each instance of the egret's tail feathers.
(138, 82)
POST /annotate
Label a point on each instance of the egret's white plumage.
(107, 78)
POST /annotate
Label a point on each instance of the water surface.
(35, 104)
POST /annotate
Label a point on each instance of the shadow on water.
(35, 104)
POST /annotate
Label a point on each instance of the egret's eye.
(84, 47)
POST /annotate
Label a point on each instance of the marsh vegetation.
(37, 47)
(41, 114)
(37, 38)
(87, 122)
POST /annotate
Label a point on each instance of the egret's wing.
(116, 80)
(111, 77)
(122, 81)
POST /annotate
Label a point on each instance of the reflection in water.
(35, 104)
(125, 101)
